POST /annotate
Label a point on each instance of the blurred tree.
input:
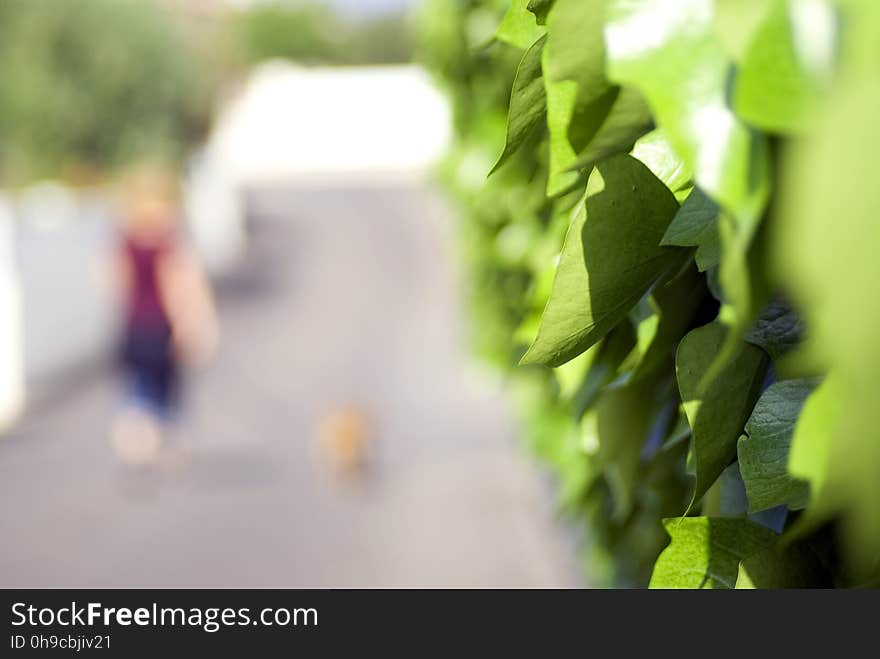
(314, 33)
(91, 85)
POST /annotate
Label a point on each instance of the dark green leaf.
(540, 8)
(696, 225)
(610, 259)
(629, 119)
(612, 351)
(625, 416)
(717, 412)
(675, 302)
(795, 566)
(763, 455)
(777, 330)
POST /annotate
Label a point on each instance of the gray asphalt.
(348, 296)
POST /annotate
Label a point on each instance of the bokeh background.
(305, 139)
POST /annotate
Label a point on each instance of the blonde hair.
(148, 194)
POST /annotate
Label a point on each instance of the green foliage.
(716, 411)
(595, 288)
(94, 84)
(313, 33)
(706, 552)
(689, 279)
(763, 455)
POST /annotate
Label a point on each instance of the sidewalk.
(350, 299)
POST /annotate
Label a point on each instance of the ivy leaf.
(611, 353)
(528, 102)
(625, 416)
(736, 22)
(777, 330)
(717, 413)
(673, 56)
(561, 105)
(763, 455)
(833, 275)
(675, 303)
(575, 47)
(540, 8)
(519, 27)
(792, 566)
(610, 259)
(705, 552)
(628, 120)
(655, 151)
(810, 448)
(596, 119)
(696, 225)
(580, 97)
(774, 89)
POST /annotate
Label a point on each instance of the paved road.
(348, 297)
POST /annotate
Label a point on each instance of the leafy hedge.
(676, 245)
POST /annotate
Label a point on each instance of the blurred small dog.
(344, 436)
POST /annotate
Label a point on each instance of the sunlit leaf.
(656, 152)
(610, 259)
(669, 50)
(705, 552)
(775, 88)
(826, 251)
(519, 27)
(528, 102)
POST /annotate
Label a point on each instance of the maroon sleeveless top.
(145, 309)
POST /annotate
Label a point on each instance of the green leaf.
(528, 102)
(610, 354)
(763, 455)
(540, 8)
(519, 27)
(656, 152)
(810, 447)
(673, 56)
(777, 330)
(561, 105)
(705, 552)
(791, 566)
(595, 118)
(675, 303)
(717, 413)
(736, 22)
(774, 89)
(576, 49)
(826, 246)
(610, 259)
(696, 225)
(628, 120)
(625, 416)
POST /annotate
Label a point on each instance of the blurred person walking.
(169, 319)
